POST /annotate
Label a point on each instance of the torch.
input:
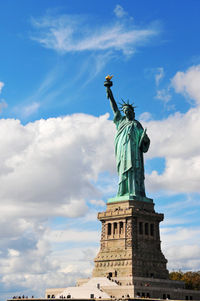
(108, 83)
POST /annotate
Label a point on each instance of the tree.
(191, 279)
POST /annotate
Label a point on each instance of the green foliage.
(191, 279)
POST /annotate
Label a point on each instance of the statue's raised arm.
(131, 141)
(108, 84)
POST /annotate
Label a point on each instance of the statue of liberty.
(131, 141)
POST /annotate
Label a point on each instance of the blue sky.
(57, 165)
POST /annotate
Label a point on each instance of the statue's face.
(130, 114)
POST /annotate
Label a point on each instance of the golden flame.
(109, 77)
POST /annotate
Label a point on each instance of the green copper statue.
(131, 141)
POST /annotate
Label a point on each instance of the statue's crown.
(126, 104)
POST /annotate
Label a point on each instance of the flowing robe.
(130, 142)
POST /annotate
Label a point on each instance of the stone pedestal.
(130, 263)
(130, 241)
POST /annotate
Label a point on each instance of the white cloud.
(30, 109)
(48, 169)
(146, 116)
(71, 235)
(175, 139)
(89, 217)
(1, 86)
(42, 160)
(187, 83)
(159, 75)
(13, 253)
(119, 11)
(71, 34)
(97, 203)
(181, 247)
(37, 268)
(163, 95)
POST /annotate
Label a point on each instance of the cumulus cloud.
(48, 169)
(187, 83)
(33, 280)
(177, 141)
(43, 263)
(181, 248)
(69, 33)
(52, 162)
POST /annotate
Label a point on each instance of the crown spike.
(124, 104)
